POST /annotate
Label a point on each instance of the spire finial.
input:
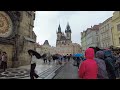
(68, 28)
(67, 23)
(59, 28)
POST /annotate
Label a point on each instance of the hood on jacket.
(89, 53)
(100, 54)
(107, 53)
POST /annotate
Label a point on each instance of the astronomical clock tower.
(16, 35)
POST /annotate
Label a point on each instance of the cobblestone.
(68, 72)
(23, 71)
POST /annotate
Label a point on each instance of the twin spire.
(68, 29)
(59, 28)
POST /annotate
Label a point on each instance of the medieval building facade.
(63, 39)
(17, 36)
(64, 43)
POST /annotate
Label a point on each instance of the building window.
(108, 26)
(118, 27)
(119, 40)
(106, 44)
(103, 45)
(105, 28)
(96, 32)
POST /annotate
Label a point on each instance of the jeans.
(32, 71)
(3, 65)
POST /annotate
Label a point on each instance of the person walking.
(49, 57)
(102, 72)
(68, 57)
(64, 58)
(110, 65)
(78, 61)
(4, 61)
(45, 58)
(88, 68)
(60, 60)
(54, 58)
(0, 58)
(118, 65)
(33, 65)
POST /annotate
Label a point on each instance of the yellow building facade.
(116, 28)
(105, 34)
(83, 41)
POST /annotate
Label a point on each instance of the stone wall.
(22, 37)
(26, 31)
(9, 50)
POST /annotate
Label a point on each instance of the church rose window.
(5, 24)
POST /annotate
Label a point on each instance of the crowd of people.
(95, 64)
(57, 58)
(99, 64)
(46, 58)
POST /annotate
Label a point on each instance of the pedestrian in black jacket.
(110, 65)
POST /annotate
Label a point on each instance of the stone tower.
(68, 34)
(17, 36)
(46, 42)
(59, 34)
(63, 39)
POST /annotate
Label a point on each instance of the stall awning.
(30, 39)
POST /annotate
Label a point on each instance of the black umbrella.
(43, 56)
(38, 56)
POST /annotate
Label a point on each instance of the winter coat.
(102, 72)
(88, 68)
(4, 58)
(110, 64)
(0, 57)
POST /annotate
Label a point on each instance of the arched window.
(118, 27)
(119, 40)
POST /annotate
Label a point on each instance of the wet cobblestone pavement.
(68, 72)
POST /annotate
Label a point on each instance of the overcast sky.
(46, 23)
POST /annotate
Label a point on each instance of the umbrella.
(78, 55)
(55, 56)
(44, 55)
(38, 56)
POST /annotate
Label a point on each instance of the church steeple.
(68, 29)
(59, 29)
(46, 42)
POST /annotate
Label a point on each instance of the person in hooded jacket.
(88, 68)
(102, 72)
(0, 58)
(33, 74)
(110, 65)
(78, 59)
(118, 65)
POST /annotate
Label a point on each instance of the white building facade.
(92, 38)
(83, 41)
(105, 34)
